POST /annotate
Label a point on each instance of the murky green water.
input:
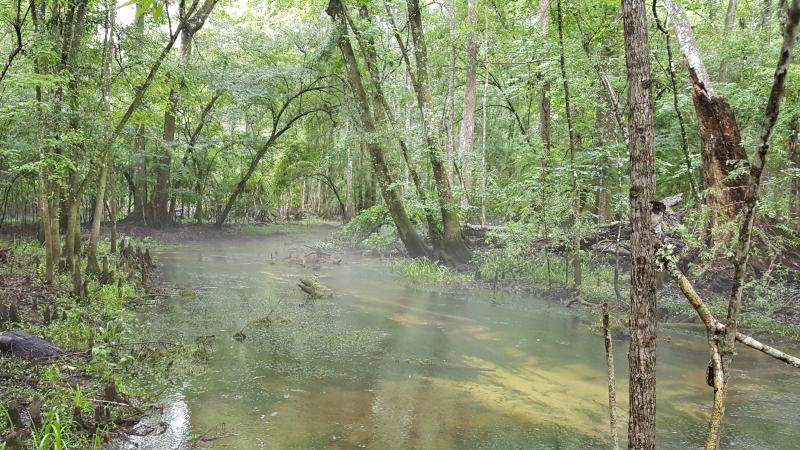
(383, 365)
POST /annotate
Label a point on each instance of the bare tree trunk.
(573, 149)
(642, 353)
(612, 384)
(720, 139)
(466, 137)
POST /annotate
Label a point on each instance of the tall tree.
(642, 353)
(389, 190)
(453, 247)
(466, 136)
(573, 150)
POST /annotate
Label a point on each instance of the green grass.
(423, 271)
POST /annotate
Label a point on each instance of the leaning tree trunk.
(642, 353)
(453, 247)
(720, 139)
(389, 190)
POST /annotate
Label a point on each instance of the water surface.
(388, 365)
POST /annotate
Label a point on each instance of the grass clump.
(422, 271)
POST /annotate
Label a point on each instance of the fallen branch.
(715, 326)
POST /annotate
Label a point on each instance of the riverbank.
(510, 259)
(95, 378)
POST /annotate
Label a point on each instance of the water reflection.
(385, 365)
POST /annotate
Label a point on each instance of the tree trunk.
(139, 213)
(484, 124)
(642, 353)
(453, 247)
(91, 265)
(730, 15)
(451, 94)
(720, 139)
(405, 229)
(466, 136)
(163, 165)
(114, 203)
(384, 116)
(349, 206)
(105, 158)
(573, 150)
(794, 158)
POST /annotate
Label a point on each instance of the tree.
(642, 353)
(466, 136)
(453, 247)
(405, 228)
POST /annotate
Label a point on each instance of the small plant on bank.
(421, 271)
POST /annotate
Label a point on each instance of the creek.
(385, 364)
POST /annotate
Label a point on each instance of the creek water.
(385, 364)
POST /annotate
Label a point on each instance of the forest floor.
(105, 376)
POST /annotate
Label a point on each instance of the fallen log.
(21, 344)
(314, 288)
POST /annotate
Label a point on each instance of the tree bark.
(384, 117)
(730, 15)
(642, 353)
(466, 136)
(451, 94)
(105, 158)
(453, 247)
(349, 203)
(405, 229)
(720, 139)
(794, 158)
(573, 149)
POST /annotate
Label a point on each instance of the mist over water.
(388, 365)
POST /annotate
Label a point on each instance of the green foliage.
(422, 271)
(365, 224)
